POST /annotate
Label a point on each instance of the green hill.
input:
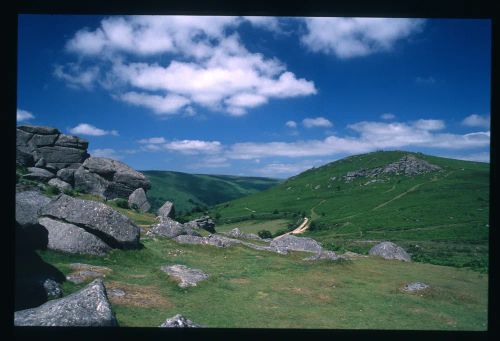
(440, 216)
(189, 191)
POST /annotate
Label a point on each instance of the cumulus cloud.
(478, 157)
(106, 152)
(87, 129)
(387, 116)
(211, 162)
(75, 76)
(23, 115)
(153, 140)
(475, 120)
(316, 122)
(429, 124)
(286, 169)
(210, 66)
(356, 37)
(266, 23)
(291, 124)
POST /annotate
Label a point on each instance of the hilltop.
(438, 207)
(189, 191)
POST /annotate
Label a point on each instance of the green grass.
(254, 226)
(188, 191)
(248, 288)
(442, 208)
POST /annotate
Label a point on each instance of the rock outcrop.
(47, 147)
(204, 222)
(179, 321)
(88, 307)
(329, 255)
(170, 228)
(294, 243)
(28, 206)
(60, 184)
(38, 174)
(186, 277)
(388, 250)
(237, 233)
(139, 199)
(91, 217)
(108, 178)
(166, 211)
(408, 165)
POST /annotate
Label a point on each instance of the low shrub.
(265, 234)
(52, 190)
(122, 203)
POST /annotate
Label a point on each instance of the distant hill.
(188, 191)
(358, 199)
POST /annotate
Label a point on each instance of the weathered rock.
(237, 233)
(115, 292)
(294, 243)
(214, 240)
(97, 218)
(187, 277)
(330, 255)
(41, 163)
(88, 307)
(138, 198)
(38, 174)
(24, 158)
(204, 222)
(171, 229)
(352, 255)
(66, 175)
(42, 130)
(28, 206)
(179, 321)
(52, 288)
(63, 186)
(108, 178)
(85, 272)
(72, 239)
(167, 210)
(415, 286)
(388, 250)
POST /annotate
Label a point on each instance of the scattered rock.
(388, 250)
(38, 174)
(186, 276)
(330, 255)
(294, 243)
(88, 307)
(166, 211)
(236, 233)
(71, 238)
(415, 286)
(115, 292)
(66, 175)
(179, 321)
(171, 229)
(204, 222)
(114, 228)
(63, 186)
(108, 178)
(84, 272)
(138, 198)
(52, 288)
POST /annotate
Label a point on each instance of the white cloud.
(23, 115)
(106, 152)
(316, 122)
(214, 69)
(291, 124)
(429, 124)
(211, 162)
(87, 129)
(387, 116)
(480, 157)
(153, 140)
(160, 105)
(193, 146)
(75, 76)
(475, 120)
(267, 23)
(355, 37)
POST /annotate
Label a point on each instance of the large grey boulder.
(108, 178)
(56, 150)
(52, 288)
(88, 307)
(72, 239)
(97, 218)
(179, 321)
(28, 206)
(237, 233)
(61, 185)
(186, 277)
(38, 174)
(388, 250)
(204, 222)
(171, 229)
(294, 243)
(66, 175)
(166, 211)
(138, 198)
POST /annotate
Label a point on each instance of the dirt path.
(246, 208)
(302, 227)
(398, 196)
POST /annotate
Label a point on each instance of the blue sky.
(260, 96)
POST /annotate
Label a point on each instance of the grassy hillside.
(258, 289)
(188, 191)
(440, 217)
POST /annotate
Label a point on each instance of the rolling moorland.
(440, 217)
(200, 191)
